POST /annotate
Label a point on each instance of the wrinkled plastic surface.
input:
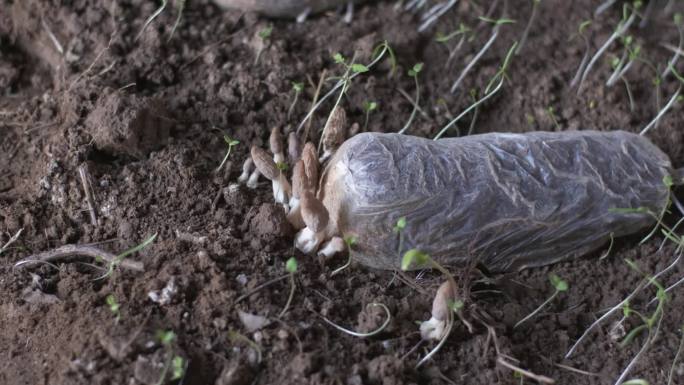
(510, 200)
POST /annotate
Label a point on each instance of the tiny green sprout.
(415, 70)
(177, 368)
(350, 241)
(415, 258)
(114, 307)
(166, 337)
(263, 35)
(368, 107)
(230, 142)
(291, 268)
(339, 58)
(456, 306)
(291, 265)
(583, 26)
(559, 286)
(359, 68)
(116, 261)
(297, 88)
(552, 115)
(680, 98)
(282, 166)
(558, 283)
(266, 32)
(530, 118)
(401, 225)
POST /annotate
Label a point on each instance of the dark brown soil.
(146, 117)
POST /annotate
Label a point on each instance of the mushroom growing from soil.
(315, 218)
(433, 329)
(267, 167)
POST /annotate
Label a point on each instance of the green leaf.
(266, 32)
(583, 26)
(298, 87)
(359, 68)
(178, 365)
(282, 166)
(456, 305)
(414, 258)
(401, 225)
(350, 241)
(166, 337)
(339, 59)
(369, 106)
(113, 305)
(416, 69)
(291, 265)
(557, 282)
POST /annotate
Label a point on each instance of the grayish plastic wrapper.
(510, 201)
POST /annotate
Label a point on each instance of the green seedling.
(351, 69)
(495, 33)
(399, 229)
(413, 72)
(490, 90)
(559, 286)
(291, 268)
(463, 32)
(297, 88)
(349, 242)
(381, 51)
(368, 107)
(587, 47)
(533, 16)
(114, 263)
(629, 15)
(114, 307)
(650, 324)
(176, 363)
(264, 36)
(230, 142)
(669, 104)
(552, 115)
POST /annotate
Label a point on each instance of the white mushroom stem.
(279, 158)
(433, 329)
(332, 247)
(246, 170)
(294, 216)
(307, 241)
(281, 189)
(253, 179)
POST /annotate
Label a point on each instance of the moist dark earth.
(143, 114)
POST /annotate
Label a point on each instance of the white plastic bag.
(510, 200)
